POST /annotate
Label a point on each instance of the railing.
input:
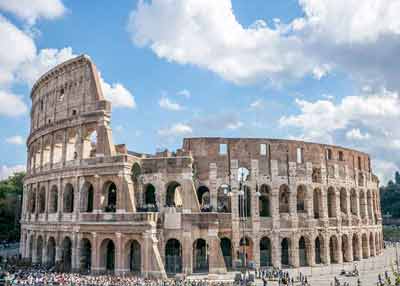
(109, 217)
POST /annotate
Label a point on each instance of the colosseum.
(213, 206)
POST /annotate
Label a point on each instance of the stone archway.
(265, 252)
(285, 250)
(303, 257)
(107, 255)
(345, 248)
(51, 252)
(39, 249)
(173, 256)
(319, 250)
(356, 247)
(200, 256)
(333, 250)
(226, 248)
(264, 201)
(134, 256)
(174, 195)
(66, 258)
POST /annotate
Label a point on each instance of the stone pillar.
(275, 208)
(256, 250)
(64, 147)
(187, 253)
(119, 254)
(294, 250)
(339, 250)
(41, 153)
(52, 150)
(44, 251)
(213, 186)
(95, 254)
(276, 250)
(77, 197)
(97, 194)
(28, 250)
(75, 251)
(310, 244)
(35, 259)
(325, 249)
(60, 199)
(216, 259)
(350, 248)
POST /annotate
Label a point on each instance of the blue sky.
(287, 69)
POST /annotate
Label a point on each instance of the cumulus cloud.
(117, 94)
(207, 34)
(15, 140)
(11, 104)
(168, 104)
(31, 10)
(356, 134)
(376, 114)
(178, 129)
(6, 171)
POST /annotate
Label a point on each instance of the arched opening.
(134, 256)
(371, 245)
(173, 256)
(362, 204)
(333, 250)
(51, 252)
(89, 142)
(174, 195)
(71, 151)
(200, 256)
(87, 195)
(203, 195)
(33, 201)
(343, 201)
(284, 199)
(150, 198)
(107, 258)
(53, 204)
(42, 200)
(85, 262)
(110, 197)
(226, 247)
(303, 259)
(68, 199)
(264, 201)
(39, 249)
(331, 202)
(356, 248)
(246, 250)
(318, 250)
(223, 199)
(317, 203)
(345, 249)
(353, 202)
(244, 201)
(285, 246)
(265, 252)
(66, 257)
(301, 199)
(364, 241)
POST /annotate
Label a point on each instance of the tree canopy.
(11, 190)
(390, 197)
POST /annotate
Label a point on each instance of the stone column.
(275, 207)
(95, 254)
(350, 247)
(51, 151)
(77, 197)
(212, 178)
(256, 250)
(64, 147)
(216, 259)
(187, 253)
(28, 250)
(294, 250)
(119, 259)
(310, 249)
(339, 250)
(97, 194)
(41, 153)
(44, 251)
(276, 250)
(60, 199)
(35, 259)
(325, 249)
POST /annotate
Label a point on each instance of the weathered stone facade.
(90, 205)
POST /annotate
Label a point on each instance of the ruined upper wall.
(333, 158)
(66, 91)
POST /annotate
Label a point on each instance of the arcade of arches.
(127, 255)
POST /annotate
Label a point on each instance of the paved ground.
(324, 275)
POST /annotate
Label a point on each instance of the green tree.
(11, 190)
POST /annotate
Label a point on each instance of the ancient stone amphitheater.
(91, 205)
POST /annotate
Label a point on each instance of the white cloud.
(385, 170)
(207, 34)
(118, 94)
(185, 93)
(6, 171)
(11, 104)
(168, 104)
(177, 129)
(376, 114)
(31, 10)
(356, 134)
(16, 47)
(15, 140)
(30, 71)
